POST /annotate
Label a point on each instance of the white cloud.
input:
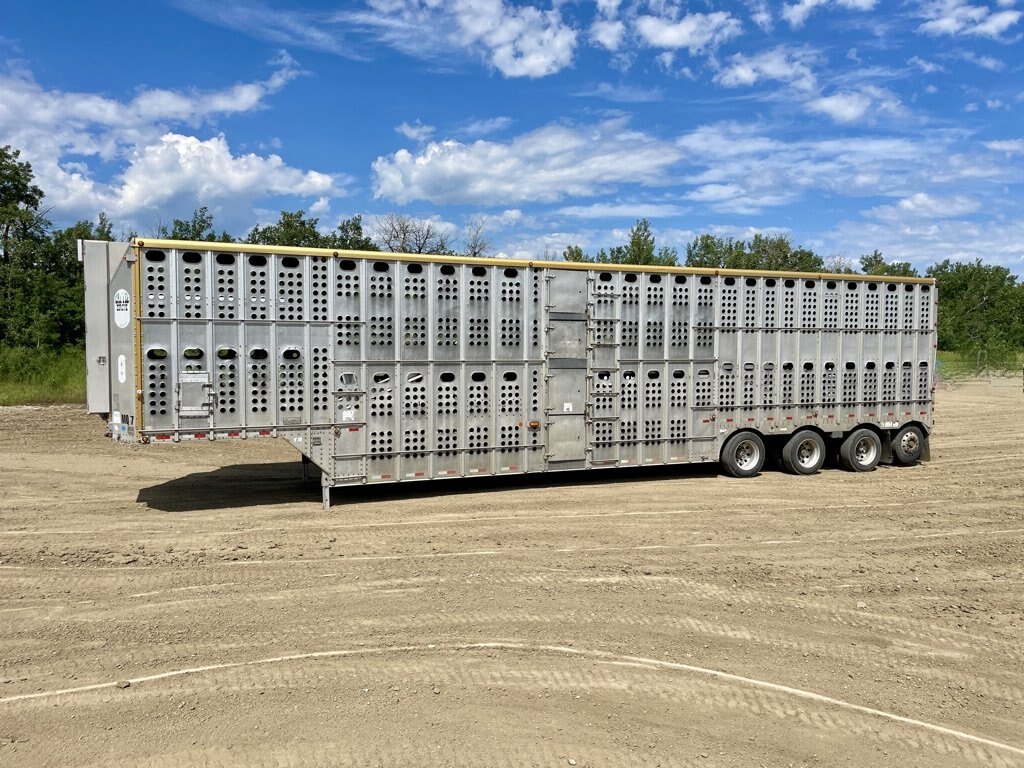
(972, 107)
(487, 126)
(846, 107)
(417, 132)
(958, 17)
(780, 63)
(924, 206)
(993, 103)
(626, 94)
(543, 165)
(985, 62)
(519, 41)
(924, 242)
(761, 15)
(695, 32)
(620, 210)
(866, 102)
(796, 13)
(148, 164)
(927, 67)
(1010, 146)
(608, 33)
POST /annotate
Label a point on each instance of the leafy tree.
(875, 264)
(19, 200)
(981, 309)
(640, 250)
(573, 253)
(294, 229)
(710, 251)
(198, 229)
(771, 252)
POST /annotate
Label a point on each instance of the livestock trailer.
(385, 367)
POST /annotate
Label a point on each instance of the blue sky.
(848, 125)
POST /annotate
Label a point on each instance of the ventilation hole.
(511, 272)
(415, 268)
(705, 280)
(678, 373)
(629, 376)
(290, 354)
(448, 377)
(769, 366)
(890, 366)
(787, 366)
(727, 367)
(926, 289)
(381, 378)
(479, 271)
(789, 283)
(770, 282)
(225, 259)
(226, 353)
(653, 375)
(381, 266)
(730, 281)
(808, 366)
(870, 366)
(909, 288)
(605, 277)
(155, 256)
(191, 257)
(630, 278)
(290, 262)
(447, 269)
(831, 284)
(655, 278)
(347, 264)
(414, 378)
(192, 353)
(751, 282)
(830, 366)
(258, 261)
(157, 353)
(872, 286)
(748, 366)
(891, 287)
(851, 366)
(681, 279)
(258, 354)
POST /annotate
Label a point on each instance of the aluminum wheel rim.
(909, 443)
(808, 453)
(865, 451)
(747, 454)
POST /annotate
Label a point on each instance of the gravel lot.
(194, 605)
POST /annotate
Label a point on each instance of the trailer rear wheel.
(804, 453)
(907, 445)
(743, 454)
(860, 451)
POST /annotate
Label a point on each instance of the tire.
(860, 451)
(804, 453)
(907, 445)
(743, 454)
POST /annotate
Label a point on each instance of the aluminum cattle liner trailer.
(384, 368)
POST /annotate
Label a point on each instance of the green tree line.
(981, 311)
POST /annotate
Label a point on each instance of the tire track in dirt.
(726, 691)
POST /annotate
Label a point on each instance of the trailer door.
(566, 358)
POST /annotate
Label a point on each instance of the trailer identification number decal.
(122, 308)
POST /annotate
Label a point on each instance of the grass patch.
(37, 376)
(960, 365)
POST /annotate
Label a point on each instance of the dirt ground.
(194, 605)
